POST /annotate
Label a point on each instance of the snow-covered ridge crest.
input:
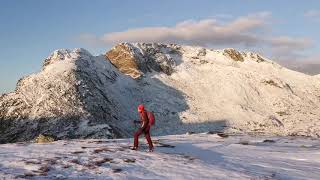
(136, 59)
(65, 54)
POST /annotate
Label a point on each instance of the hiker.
(146, 121)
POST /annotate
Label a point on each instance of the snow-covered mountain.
(189, 89)
(63, 99)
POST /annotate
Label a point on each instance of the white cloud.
(312, 14)
(285, 47)
(204, 32)
(253, 30)
(292, 43)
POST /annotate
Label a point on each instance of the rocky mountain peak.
(65, 54)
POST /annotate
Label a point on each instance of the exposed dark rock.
(233, 54)
(269, 141)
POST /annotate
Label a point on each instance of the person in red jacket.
(145, 128)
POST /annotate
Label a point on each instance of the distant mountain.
(307, 68)
(312, 69)
(77, 95)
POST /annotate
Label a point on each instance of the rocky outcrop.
(123, 58)
(44, 139)
(253, 56)
(233, 54)
(140, 58)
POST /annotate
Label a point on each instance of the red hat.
(141, 108)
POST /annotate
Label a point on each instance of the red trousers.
(146, 132)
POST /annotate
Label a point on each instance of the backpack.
(151, 118)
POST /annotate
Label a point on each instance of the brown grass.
(282, 113)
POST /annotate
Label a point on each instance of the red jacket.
(144, 120)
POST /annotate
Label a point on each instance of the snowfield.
(195, 156)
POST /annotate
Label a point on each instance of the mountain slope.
(241, 90)
(77, 95)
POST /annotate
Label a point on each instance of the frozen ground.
(196, 156)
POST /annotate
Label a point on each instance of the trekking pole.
(135, 124)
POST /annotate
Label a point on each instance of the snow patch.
(196, 156)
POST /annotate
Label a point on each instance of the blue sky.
(31, 30)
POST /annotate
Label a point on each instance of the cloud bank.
(204, 32)
(253, 31)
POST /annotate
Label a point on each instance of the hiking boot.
(134, 148)
(150, 150)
